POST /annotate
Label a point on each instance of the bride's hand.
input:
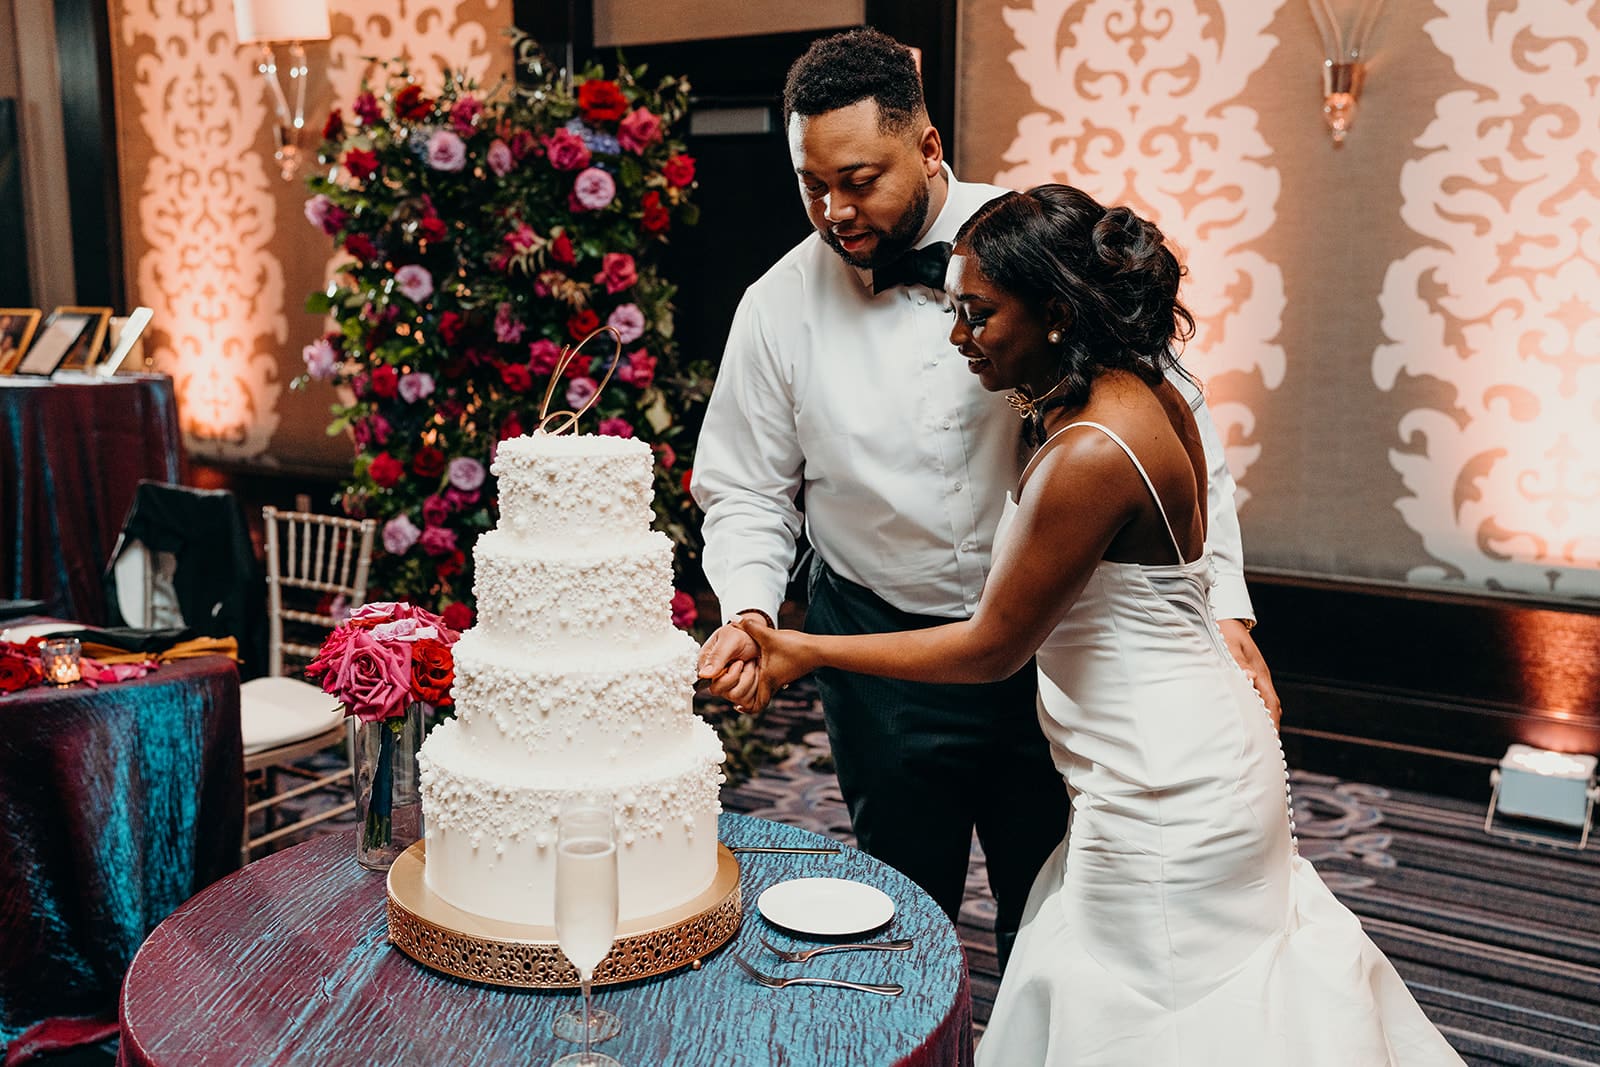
(780, 662)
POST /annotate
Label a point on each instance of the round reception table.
(287, 962)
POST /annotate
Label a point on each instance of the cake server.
(832, 850)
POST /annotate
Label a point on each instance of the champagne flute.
(586, 919)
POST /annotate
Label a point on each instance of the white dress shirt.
(905, 459)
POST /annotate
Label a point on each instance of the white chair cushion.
(281, 711)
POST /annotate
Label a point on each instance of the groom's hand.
(728, 660)
(1248, 656)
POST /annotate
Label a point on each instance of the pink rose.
(415, 386)
(507, 330)
(459, 499)
(399, 534)
(639, 130)
(446, 151)
(466, 473)
(438, 540)
(464, 115)
(668, 456)
(566, 150)
(593, 189)
(501, 161)
(543, 355)
(325, 215)
(615, 427)
(684, 612)
(374, 678)
(523, 239)
(436, 510)
(321, 359)
(414, 282)
(638, 369)
(628, 321)
(581, 391)
(617, 271)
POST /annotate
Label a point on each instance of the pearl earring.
(1055, 337)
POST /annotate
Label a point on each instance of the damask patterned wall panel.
(1500, 299)
(1400, 336)
(1156, 121)
(217, 243)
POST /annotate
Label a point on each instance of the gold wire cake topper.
(552, 421)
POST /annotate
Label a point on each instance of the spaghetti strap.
(1148, 484)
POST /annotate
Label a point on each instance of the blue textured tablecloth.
(72, 451)
(287, 962)
(116, 805)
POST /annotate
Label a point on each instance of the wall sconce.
(1549, 787)
(1344, 65)
(266, 22)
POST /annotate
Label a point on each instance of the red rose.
(679, 171)
(385, 381)
(684, 611)
(432, 228)
(386, 470)
(409, 103)
(688, 476)
(333, 129)
(361, 246)
(512, 427)
(522, 143)
(457, 616)
(517, 376)
(582, 324)
(361, 163)
(367, 109)
(561, 250)
(451, 323)
(452, 565)
(428, 462)
(432, 671)
(601, 101)
(656, 218)
(18, 672)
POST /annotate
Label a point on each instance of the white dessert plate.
(825, 907)
(19, 634)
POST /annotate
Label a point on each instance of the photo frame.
(124, 339)
(17, 326)
(57, 336)
(86, 349)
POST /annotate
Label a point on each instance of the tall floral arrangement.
(483, 232)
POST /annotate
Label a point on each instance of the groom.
(839, 379)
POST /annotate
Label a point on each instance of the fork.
(772, 982)
(790, 956)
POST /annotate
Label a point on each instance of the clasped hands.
(746, 661)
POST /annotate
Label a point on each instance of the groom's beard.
(890, 246)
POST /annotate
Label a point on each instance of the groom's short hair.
(856, 65)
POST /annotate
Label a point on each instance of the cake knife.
(832, 850)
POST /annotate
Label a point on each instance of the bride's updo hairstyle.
(1105, 274)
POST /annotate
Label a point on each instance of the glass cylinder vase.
(388, 799)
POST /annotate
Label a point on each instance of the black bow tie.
(918, 266)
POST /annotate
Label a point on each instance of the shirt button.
(958, 487)
(966, 546)
(921, 300)
(946, 424)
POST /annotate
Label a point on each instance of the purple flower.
(501, 161)
(446, 151)
(507, 330)
(415, 386)
(594, 189)
(581, 391)
(458, 499)
(399, 534)
(438, 540)
(435, 510)
(321, 359)
(325, 215)
(628, 321)
(466, 473)
(414, 282)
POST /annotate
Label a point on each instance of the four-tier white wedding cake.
(574, 681)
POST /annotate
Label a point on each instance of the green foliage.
(487, 232)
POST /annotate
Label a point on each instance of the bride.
(1177, 924)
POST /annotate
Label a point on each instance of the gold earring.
(1055, 337)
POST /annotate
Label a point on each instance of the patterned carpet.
(1499, 940)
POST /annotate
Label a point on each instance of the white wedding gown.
(1177, 925)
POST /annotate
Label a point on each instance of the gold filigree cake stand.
(445, 938)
